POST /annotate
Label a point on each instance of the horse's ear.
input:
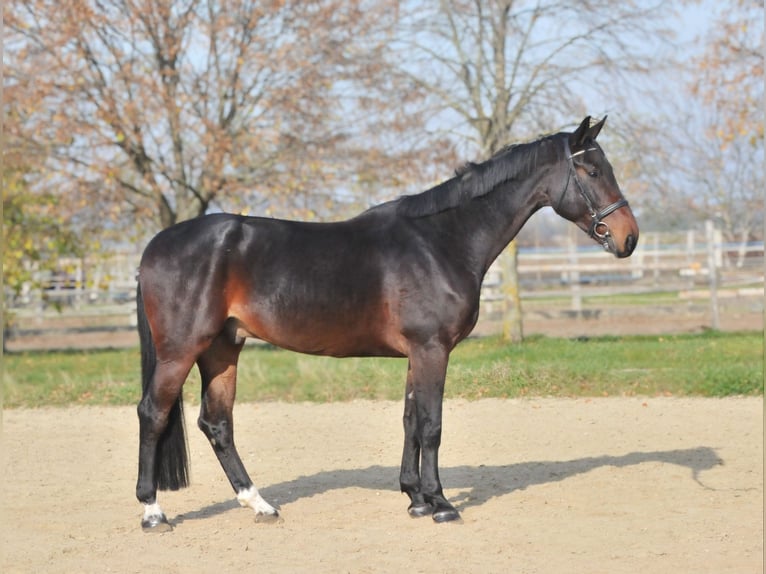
(585, 132)
(596, 129)
(578, 137)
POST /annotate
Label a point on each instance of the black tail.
(171, 469)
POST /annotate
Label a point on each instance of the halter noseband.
(598, 230)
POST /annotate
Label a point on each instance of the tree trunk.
(512, 323)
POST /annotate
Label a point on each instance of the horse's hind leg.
(218, 369)
(157, 449)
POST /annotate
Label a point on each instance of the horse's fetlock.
(410, 486)
(146, 493)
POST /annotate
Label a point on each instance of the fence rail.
(90, 302)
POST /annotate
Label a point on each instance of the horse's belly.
(314, 334)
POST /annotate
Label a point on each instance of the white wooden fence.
(695, 267)
(96, 295)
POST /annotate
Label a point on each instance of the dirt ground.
(545, 485)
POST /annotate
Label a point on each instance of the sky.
(691, 25)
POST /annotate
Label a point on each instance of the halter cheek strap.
(598, 230)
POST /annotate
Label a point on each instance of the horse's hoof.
(156, 523)
(420, 510)
(275, 518)
(448, 514)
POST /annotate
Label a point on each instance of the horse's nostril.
(630, 244)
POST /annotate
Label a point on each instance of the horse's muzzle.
(630, 244)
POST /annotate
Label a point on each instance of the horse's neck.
(489, 223)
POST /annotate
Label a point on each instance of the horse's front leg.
(409, 477)
(419, 476)
(218, 369)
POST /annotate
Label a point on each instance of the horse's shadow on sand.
(478, 484)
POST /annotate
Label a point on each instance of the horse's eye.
(593, 173)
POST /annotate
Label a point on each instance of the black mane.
(476, 179)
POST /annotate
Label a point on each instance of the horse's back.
(319, 288)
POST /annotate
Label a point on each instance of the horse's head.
(590, 196)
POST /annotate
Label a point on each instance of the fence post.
(574, 273)
(513, 330)
(712, 265)
(690, 256)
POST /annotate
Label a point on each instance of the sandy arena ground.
(619, 485)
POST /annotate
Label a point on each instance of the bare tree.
(709, 153)
(166, 109)
(504, 70)
(705, 172)
(729, 75)
(728, 167)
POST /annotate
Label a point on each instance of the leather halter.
(598, 229)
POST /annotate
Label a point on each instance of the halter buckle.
(600, 230)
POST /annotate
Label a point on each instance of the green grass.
(71, 377)
(711, 364)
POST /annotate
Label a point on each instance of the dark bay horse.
(399, 280)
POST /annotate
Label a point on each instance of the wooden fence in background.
(693, 269)
(90, 302)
